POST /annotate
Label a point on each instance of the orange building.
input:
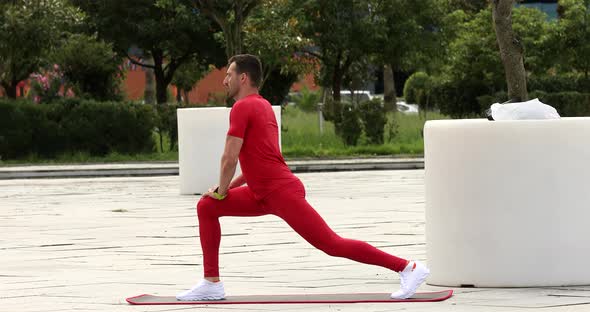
(210, 88)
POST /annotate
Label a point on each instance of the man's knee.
(205, 206)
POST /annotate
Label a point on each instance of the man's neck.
(245, 93)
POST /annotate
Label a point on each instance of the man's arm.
(239, 181)
(229, 162)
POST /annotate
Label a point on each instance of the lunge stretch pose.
(271, 189)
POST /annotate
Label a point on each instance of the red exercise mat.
(307, 298)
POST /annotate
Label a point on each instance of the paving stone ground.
(87, 244)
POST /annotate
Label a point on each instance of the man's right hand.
(209, 193)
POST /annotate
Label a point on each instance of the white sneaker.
(410, 279)
(204, 290)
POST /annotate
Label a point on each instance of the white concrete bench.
(508, 202)
(201, 139)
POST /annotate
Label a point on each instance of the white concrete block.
(508, 202)
(201, 139)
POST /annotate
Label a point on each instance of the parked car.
(402, 106)
(357, 97)
(405, 108)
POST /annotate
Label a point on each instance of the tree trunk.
(336, 87)
(511, 50)
(161, 85)
(186, 99)
(10, 88)
(388, 89)
(149, 94)
(178, 95)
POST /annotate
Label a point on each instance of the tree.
(90, 66)
(187, 76)
(574, 35)
(511, 50)
(28, 32)
(410, 38)
(168, 31)
(272, 33)
(536, 34)
(230, 15)
(342, 32)
(468, 6)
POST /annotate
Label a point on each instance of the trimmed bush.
(72, 125)
(459, 99)
(485, 101)
(417, 89)
(308, 100)
(568, 104)
(349, 128)
(558, 83)
(167, 124)
(373, 119)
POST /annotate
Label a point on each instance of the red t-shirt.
(252, 119)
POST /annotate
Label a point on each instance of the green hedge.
(568, 104)
(73, 125)
(559, 83)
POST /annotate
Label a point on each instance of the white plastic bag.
(532, 109)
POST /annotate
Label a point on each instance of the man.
(272, 189)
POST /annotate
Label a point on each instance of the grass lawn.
(301, 136)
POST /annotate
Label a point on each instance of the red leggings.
(289, 204)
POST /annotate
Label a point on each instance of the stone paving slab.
(87, 244)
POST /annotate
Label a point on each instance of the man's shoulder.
(250, 102)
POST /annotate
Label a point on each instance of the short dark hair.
(250, 65)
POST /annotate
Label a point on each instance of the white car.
(359, 96)
(405, 108)
(402, 106)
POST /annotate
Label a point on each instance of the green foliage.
(536, 35)
(167, 125)
(301, 136)
(72, 125)
(373, 120)
(171, 32)
(188, 74)
(91, 67)
(474, 69)
(559, 83)
(307, 100)
(345, 32)
(568, 104)
(276, 88)
(350, 127)
(332, 110)
(29, 30)
(408, 33)
(418, 88)
(459, 100)
(230, 16)
(271, 33)
(574, 36)
(470, 6)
